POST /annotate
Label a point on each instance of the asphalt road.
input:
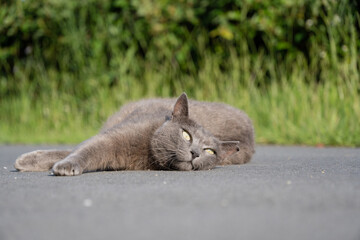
(284, 193)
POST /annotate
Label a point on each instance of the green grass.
(291, 98)
(290, 110)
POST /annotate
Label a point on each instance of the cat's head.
(182, 144)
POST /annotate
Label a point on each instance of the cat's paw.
(67, 168)
(32, 161)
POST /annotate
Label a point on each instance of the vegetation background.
(293, 66)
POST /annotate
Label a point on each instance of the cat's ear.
(228, 148)
(181, 108)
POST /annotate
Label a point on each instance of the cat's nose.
(194, 154)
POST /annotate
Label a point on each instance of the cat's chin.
(199, 164)
(196, 164)
(183, 166)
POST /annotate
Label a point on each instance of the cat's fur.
(157, 134)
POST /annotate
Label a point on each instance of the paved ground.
(284, 193)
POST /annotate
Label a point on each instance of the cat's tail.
(40, 160)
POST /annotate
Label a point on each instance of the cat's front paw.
(26, 161)
(33, 162)
(67, 168)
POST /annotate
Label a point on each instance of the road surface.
(283, 193)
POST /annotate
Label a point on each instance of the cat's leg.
(40, 160)
(97, 153)
(119, 148)
(242, 156)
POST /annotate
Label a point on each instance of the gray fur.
(148, 134)
(40, 160)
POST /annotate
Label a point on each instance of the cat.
(156, 134)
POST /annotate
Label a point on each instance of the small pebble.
(87, 202)
(156, 175)
(323, 171)
(288, 182)
(164, 182)
(5, 167)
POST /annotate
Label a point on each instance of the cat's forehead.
(205, 136)
(201, 135)
(188, 123)
(197, 131)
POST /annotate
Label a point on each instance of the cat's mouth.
(180, 165)
(200, 164)
(191, 165)
(194, 167)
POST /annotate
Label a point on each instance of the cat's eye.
(186, 135)
(209, 151)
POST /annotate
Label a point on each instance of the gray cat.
(156, 134)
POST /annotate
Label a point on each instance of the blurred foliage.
(293, 65)
(67, 36)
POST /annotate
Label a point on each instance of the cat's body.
(157, 134)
